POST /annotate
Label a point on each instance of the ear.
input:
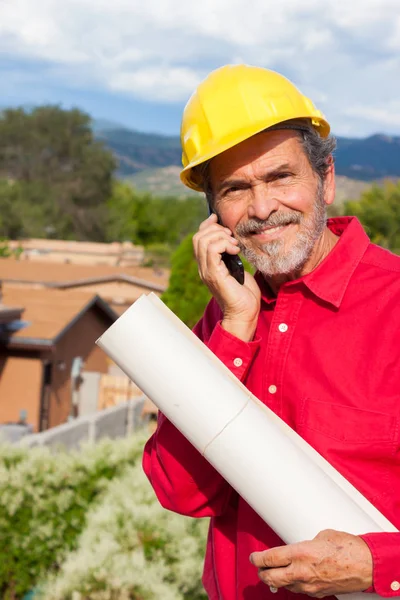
(329, 183)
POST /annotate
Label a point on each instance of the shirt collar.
(330, 279)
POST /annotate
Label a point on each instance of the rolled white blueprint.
(293, 489)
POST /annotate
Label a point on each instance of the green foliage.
(186, 295)
(86, 525)
(132, 548)
(148, 220)
(44, 499)
(11, 224)
(379, 211)
(56, 177)
(6, 251)
(157, 255)
(56, 181)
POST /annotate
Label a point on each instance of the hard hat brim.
(186, 175)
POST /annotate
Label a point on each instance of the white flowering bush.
(132, 548)
(87, 525)
(44, 499)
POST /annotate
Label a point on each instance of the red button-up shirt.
(326, 359)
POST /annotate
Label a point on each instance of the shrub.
(379, 211)
(44, 499)
(86, 525)
(186, 295)
(132, 548)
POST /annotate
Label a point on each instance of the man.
(314, 335)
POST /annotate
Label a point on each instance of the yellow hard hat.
(232, 104)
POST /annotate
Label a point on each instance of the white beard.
(271, 259)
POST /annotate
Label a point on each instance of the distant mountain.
(101, 125)
(370, 158)
(367, 159)
(136, 151)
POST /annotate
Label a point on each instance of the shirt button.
(395, 586)
(238, 362)
(283, 327)
(272, 389)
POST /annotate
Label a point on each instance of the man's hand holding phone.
(240, 304)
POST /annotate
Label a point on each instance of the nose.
(262, 202)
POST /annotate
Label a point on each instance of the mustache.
(256, 225)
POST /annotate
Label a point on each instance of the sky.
(136, 62)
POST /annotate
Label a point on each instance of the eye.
(232, 190)
(282, 175)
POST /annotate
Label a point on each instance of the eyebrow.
(243, 184)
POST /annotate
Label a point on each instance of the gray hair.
(317, 149)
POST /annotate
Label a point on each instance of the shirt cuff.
(236, 354)
(385, 550)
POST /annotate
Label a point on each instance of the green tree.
(147, 220)
(379, 211)
(62, 175)
(11, 221)
(186, 295)
(122, 221)
(184, 216)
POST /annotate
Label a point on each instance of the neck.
(321, 249)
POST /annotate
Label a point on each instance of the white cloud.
(387, 114)
(341, 53)
(171, 84)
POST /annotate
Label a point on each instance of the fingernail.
(251, 559)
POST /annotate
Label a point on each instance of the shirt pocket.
(359, 443)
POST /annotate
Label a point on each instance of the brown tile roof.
(48, 312)
(50, 273)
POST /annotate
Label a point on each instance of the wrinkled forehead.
(266, 150)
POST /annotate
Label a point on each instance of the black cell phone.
(232, 261)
